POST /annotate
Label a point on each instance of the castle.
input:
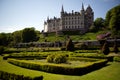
(75, 21)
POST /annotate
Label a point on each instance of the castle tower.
(89, 15)
(62, 10)
(82, 10)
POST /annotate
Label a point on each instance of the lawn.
(110, 72)
(87, 36)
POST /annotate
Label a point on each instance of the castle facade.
(74, 21)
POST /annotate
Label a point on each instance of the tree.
(105, 48)
(92, 28)
(99, 23)
(17, 36)
(29, 34)
(5, 39)
(69, 45)
(113, 20)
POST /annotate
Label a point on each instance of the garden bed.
(60, 69)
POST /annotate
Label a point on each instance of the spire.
(82, 6)
(48, 18)
(62, 10)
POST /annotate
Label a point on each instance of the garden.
(68, 65)
(32, 63)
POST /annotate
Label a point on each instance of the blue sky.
(19, 14)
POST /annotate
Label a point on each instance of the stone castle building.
(74, 21)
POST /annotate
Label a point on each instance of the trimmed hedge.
(11, 76)
(97, 56)
(60, 69)
(116, 58)
(82, 59)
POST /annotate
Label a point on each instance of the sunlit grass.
(110, 72)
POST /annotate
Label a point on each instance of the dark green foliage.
(54, 68)
(105, 48)
(58, 58)
(99, 23)
(1, 49)
(93, 29)
(29, 34)
(17, 37)
(69, 45)
(115, 47)
(5, 39)
(10, 76)
(113, 20)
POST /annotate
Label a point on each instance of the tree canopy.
(25, 35)
(113, 20)
(99, 22)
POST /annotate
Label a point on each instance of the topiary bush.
(57, 58)
(105, 48)
(70, 45)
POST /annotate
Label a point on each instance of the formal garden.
(56, 63)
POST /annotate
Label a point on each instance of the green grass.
(110, 72)
(87, 36)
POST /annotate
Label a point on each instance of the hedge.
(11, 76)
(116, 58)
(93, 55)
(60, 69)
(82, 59)
(25, 56)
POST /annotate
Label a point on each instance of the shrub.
(50, 58)
(11, 76)
(105, 48)
(116, 58)
(60, 59)
(69, 45)
(56, 58)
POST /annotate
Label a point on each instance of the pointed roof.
(82, 6)
(62, 10)
(89, 8)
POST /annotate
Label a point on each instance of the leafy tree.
(93, 29)
(5, 39)
(113, 20)
(99, 23)
(29, 34)
(17, 36)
